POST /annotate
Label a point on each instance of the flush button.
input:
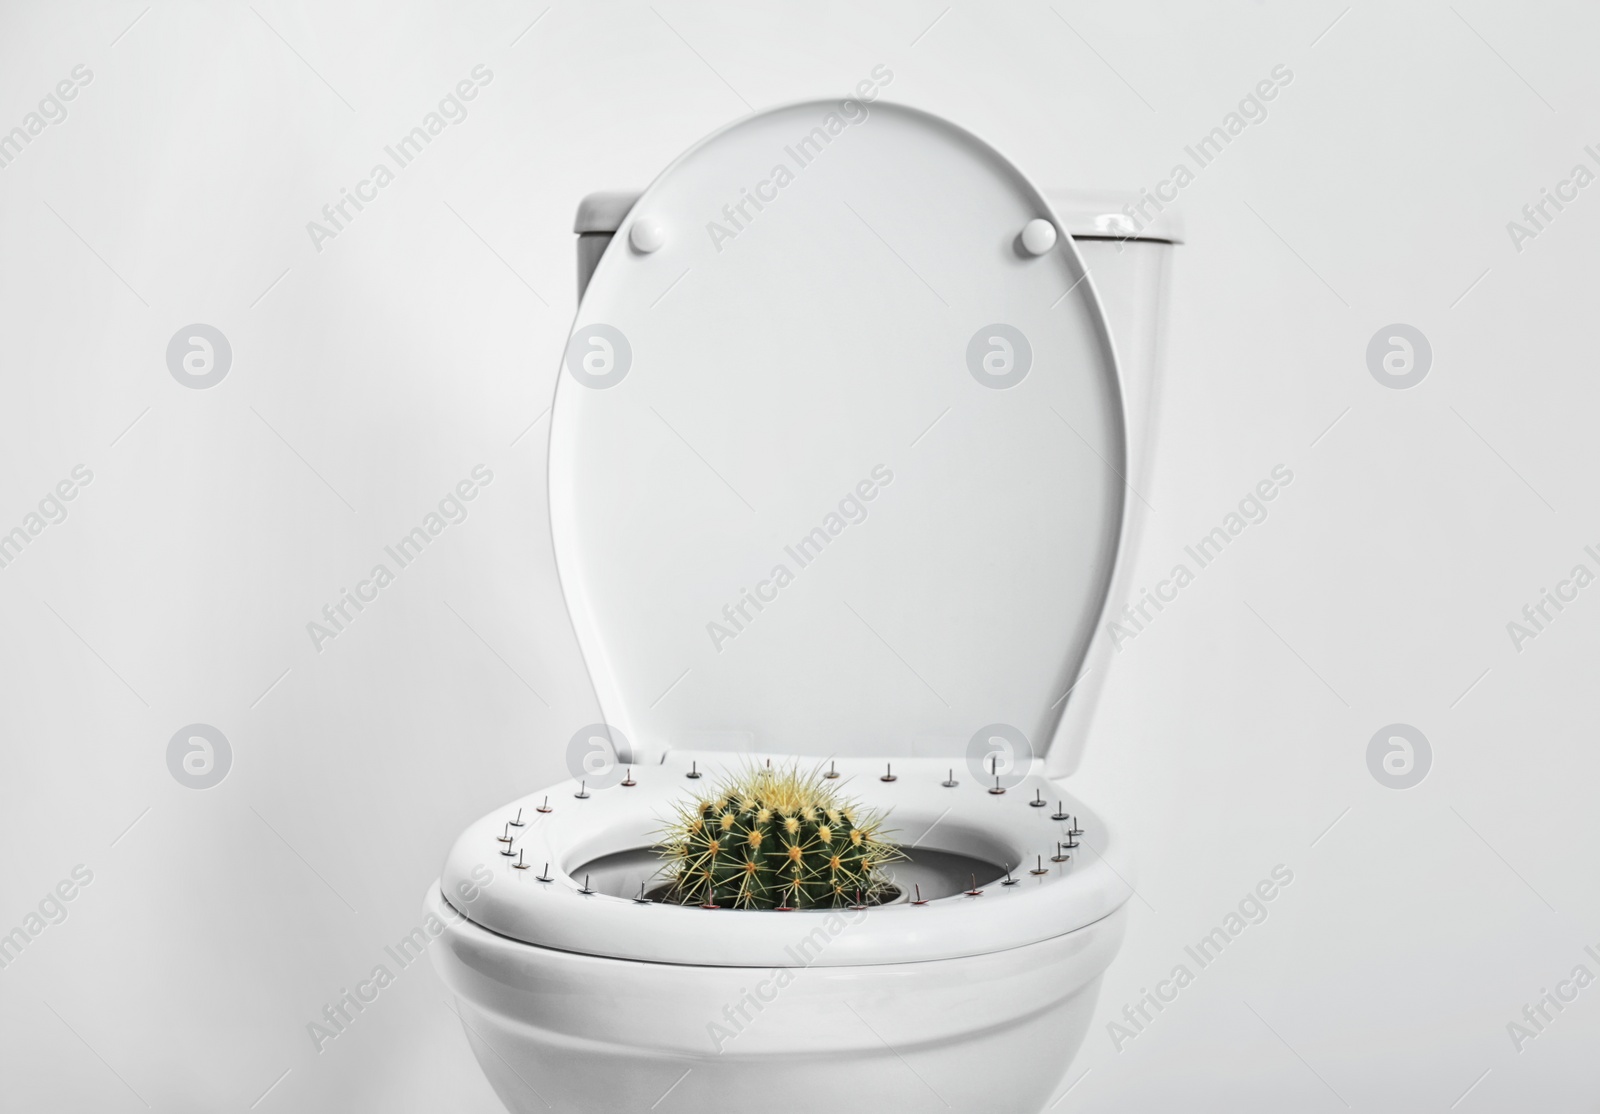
(1038, 236)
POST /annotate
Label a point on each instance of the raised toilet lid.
(834, 458)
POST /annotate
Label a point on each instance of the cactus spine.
(776, 839)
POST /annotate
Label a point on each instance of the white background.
(370, 377)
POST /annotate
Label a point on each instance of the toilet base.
(570, 1032)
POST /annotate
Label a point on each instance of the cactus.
(776, 839)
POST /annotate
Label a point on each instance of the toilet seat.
(835, 472)
(836, 459)
(543, 903)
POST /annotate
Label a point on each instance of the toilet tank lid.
(605, 210)
(1085, 214)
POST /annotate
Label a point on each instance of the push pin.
(1076, 831)
(974, 892)
(641, 899)
(519, 864)
(1038, 800)
(517, 823)
(919, 899)
(545, 807)
(586, 889)
(950, 782)
(888, 773)
(832, 772)
(1010, 881)
(694, 772)
(858, 905)
(505, 837)
(1041, 868)
(1060, 812)
(998, 788)
(1060, 856)
(583, 791)
(507, 852)
(545, 877)
(628, 782)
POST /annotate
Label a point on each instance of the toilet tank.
(1127, 251)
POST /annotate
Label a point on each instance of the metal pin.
(583, 791)
(1076, 831)
(506, 836)
(1060, 812)
(1059, 856)
(974, 892)
(507, 851)
(994, 764)
(1041, 868)
(858, 905)
(998, 788)
(832, 772)
(1038, 800)
(519, 864)
(517, 823)
(586, 889)
(694, 771)
(950, 782)
(641, 899)
(545, 877)
(628, 782)
(919, 899)
(888, 772)
(1010, 881)
(545, 807)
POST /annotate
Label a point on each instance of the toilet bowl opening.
(927, 873)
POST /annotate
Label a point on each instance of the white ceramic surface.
(565, 1031)
(793, 355)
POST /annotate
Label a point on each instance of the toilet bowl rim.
(548, 906)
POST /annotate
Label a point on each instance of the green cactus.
(776, 839)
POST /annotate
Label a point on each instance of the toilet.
(846, 462)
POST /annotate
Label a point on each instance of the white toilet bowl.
(593, 1001)
(840, 479)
